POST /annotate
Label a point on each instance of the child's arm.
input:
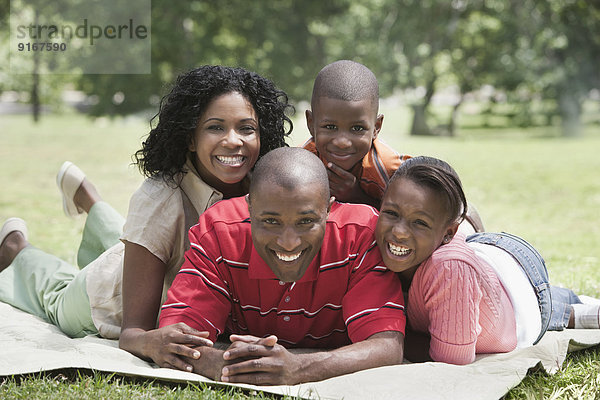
(450, 298)
(346, 187)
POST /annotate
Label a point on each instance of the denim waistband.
(531, 263)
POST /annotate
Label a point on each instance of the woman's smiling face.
(226, 143)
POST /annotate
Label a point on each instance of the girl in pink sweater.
(488, 293)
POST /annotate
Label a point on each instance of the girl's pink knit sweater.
(458, 299)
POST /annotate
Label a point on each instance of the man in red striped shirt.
(288, 267)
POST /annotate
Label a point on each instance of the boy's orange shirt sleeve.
(310, 146)
(378, 166)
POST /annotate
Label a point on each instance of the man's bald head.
(290, 167)
(289, 205)
(348, 81)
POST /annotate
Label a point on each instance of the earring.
(446, 239)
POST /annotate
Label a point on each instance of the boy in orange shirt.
(344, 124)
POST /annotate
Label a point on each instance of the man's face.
(288, 226)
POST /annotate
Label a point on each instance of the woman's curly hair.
(164, 151)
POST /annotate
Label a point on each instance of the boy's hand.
(345, 187)
(342, 184)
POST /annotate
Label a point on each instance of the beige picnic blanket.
(28, 345)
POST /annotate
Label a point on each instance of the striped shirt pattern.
(376, 169)
(346, 295)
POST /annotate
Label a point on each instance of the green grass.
(82, 385)
(529, 182)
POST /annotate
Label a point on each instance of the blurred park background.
(512, 62)
(508, 91)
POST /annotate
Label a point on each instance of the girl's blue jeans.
(554, 302)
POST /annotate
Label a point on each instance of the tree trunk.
(453, 115)
(35, 97)
(569, 108)
(35, 86)
(419, 124)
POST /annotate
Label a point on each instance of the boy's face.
(343, 130)
(288, 226)
(412, 223)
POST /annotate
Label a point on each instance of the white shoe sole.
(12, 225)
(68, 180)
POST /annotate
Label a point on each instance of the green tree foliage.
(275, 39)
(561, 45)
(535, 52)
(28, 77)
(529, 51)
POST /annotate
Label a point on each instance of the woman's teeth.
(231, 160)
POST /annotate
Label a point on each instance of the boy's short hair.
(348, 81)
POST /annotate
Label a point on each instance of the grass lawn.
(528, 182)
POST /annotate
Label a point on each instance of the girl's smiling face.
(413, 221)
(226, 143)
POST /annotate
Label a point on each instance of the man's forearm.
(131, 341)
(384, 348)
(270, 363)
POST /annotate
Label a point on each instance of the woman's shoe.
(12, 225)
(68, 180)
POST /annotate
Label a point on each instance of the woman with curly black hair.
(212, 127)
(165, 150)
